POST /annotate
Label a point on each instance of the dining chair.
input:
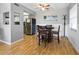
(49, 27)
(57, 33)
(42, 34)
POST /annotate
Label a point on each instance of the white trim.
(73, 45)
(16, 41)
(5, 42)
(10, 42)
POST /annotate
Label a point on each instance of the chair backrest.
(40, 31)
(37, 27)
(40, 27)
(58, 28)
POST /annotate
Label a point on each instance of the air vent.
(16, 4)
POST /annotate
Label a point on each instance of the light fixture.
(43, 9)
(44, 6)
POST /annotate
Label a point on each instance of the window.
(73, 17)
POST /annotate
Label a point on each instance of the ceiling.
(53, 6)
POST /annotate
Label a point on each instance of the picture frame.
(51, 17)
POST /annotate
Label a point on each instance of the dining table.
(47, 30)
(45, 33)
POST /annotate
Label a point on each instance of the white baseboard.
(5, 42)
(12, 42)
(16, 41)
(73, 45)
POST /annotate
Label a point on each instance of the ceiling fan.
(44, 6)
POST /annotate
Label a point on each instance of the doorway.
(29, 24)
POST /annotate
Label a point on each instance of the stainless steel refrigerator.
(30, 26)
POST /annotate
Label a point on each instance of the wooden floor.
(29, 46)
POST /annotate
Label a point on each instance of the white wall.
(41, 21)
(11, 33)
(17, 30)
(74, 35)
(5, 30)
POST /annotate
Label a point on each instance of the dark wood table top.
(49, 27)
(43, 30)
